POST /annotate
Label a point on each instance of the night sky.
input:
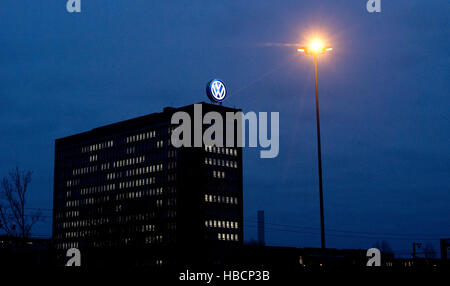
(384, 94)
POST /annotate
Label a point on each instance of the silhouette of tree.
(13, 202)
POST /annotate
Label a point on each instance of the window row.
(148, 227)
(130, 161)
(96, 200)
(85, 170)
(105, 166)
(97, 189)
(97, 147)
(106, 220)
(72, 214)
(72, 183)
(219, 174)
(137, 183)
(221, 224)
(221, 150)
(77, 234)
(141, 136)
(153, 239)
(221, 199)
(144, 170)
(85, 222)
(228, 236)
(74, 203)
(131, 150)
(113, 176)
(139, 194)
(136, 217)
(67, 245)
(221, 162)
(87, 201)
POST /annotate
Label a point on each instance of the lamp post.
(315, 49)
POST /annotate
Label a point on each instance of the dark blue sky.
(384, 91)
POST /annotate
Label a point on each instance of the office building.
(124, 187)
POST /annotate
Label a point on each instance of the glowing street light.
(316, 48)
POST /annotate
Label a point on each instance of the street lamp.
(315, 49)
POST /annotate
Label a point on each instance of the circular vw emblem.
(216, 90)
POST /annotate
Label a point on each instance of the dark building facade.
(124, 188)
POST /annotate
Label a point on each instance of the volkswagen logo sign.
(216, 90)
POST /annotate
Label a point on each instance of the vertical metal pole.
(319, 154)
